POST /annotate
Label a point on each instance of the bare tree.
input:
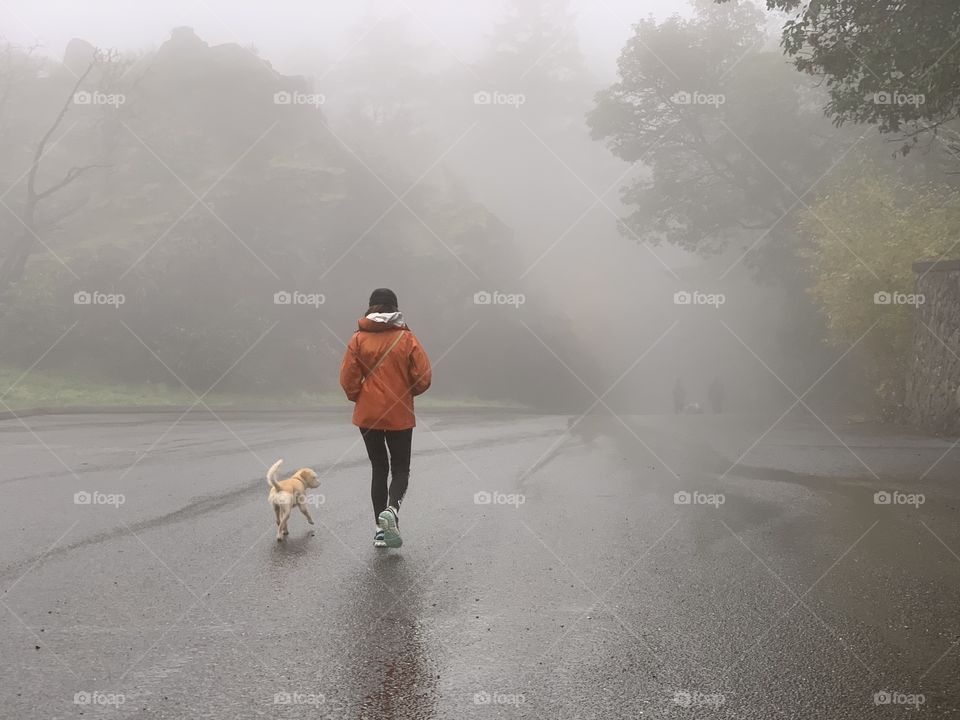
(15, 258)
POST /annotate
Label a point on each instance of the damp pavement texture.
(611, 567)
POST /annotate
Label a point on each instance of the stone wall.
(933, 377)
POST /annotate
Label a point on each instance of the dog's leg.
(282, 514)
(276, 513)
(306, 514)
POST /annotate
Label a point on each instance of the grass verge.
(39, 389)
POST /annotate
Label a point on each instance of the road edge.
(182, 409)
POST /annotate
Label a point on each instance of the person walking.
(716, 395)
(679, 396)
(383, 369)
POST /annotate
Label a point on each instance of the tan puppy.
(289, 493)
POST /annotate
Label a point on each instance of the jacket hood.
(378, 322)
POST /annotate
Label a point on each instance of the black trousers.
(398, 443)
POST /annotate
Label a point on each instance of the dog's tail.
(272, 474)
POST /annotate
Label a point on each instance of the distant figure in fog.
(383, 368)
(715, 395)
(679, 396)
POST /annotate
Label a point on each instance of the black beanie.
(384, 296)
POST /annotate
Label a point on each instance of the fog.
(288, 30)
(224, 154)
(529, 359)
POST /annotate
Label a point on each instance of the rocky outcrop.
(933, 378)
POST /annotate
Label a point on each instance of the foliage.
(886, 62)
(866, 233)
(214, 197)
(726, 130)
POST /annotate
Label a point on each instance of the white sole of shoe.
(391, 533)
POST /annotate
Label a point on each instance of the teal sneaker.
(378, 539)
(389, 523)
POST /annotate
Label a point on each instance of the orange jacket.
(384, 397)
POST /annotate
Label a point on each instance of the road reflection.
(391, 675)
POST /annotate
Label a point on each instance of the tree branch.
(71, 175)
(41, 146)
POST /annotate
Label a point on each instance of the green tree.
(890, 63)
(865, 233)
(727, 131)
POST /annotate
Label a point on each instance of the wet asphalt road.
(576, 585)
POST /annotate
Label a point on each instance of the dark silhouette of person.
(679, 396)
(716, 395)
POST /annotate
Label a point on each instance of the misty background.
(243, 174)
